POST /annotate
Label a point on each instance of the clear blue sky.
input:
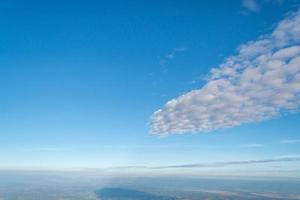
(81, 79)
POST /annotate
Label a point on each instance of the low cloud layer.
(291, 158)
(278, 159)
(261, 82)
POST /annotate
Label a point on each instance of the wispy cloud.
(261, 82)
(47, 149)
(170, 56)
(251, 5)
(251, 145)
(175, 51)
(290, 141)
(145, 146)
(160, 146)
(288, 156)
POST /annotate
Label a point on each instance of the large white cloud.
(261, 82)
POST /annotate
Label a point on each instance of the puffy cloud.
(261, 82)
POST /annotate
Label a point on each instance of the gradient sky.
(81, 79)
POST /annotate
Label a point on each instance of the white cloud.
(251, 5)
(261, 82)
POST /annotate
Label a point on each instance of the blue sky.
(81, 80)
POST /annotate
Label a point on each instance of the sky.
(156, 84)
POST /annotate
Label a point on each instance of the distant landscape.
(128, 194)
(88, 186)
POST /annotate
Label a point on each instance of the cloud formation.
(261, 82)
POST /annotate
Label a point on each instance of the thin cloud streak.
(251, 145)
(290, 141)
(48, 149)
(140, 146)
(288, 158)
(243, 162)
